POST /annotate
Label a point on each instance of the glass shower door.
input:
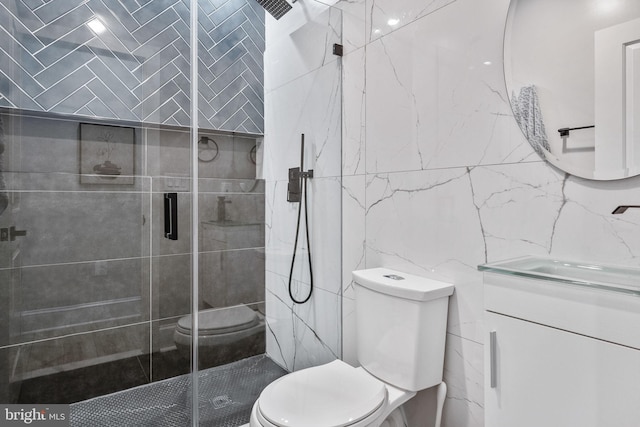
(91, 97)
(10, 262)
(76, 259)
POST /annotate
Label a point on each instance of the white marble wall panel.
(413, 217)
(519, 205)
(353, 257)
(300, 336)
(302, 13)
(531, 208)
(386, 16)
(303, 50)
(280, 220)
(353, 24)
(464, 375)
(309, 105)
(325, 218)
(426, 223)
(437, 98)
(353, 164)
(324, 226)
(353, 113)
(303, 96)
(449, 181)
(353, 231)
(586, 229)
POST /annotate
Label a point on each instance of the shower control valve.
(294, 190)
(294, 187)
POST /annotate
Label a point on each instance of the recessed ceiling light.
(96, 25)
(607, 6)
(393, 21)
(487, 62)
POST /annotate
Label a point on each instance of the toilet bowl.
(401, 330)
(224, 335)
(341, 395)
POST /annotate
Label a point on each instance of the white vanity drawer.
(602, 314)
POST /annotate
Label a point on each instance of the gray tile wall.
(138, 68)
(95, 267)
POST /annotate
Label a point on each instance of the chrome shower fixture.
(277, 8)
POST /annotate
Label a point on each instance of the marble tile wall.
(437, 177)
(303, 96)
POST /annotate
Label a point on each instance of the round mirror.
(572, 69)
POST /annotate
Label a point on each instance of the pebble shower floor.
(227, 394)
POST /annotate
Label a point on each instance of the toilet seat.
(218, 322)
(331, 395)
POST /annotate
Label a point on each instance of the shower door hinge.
(338, 49)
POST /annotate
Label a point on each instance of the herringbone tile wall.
(138, 67)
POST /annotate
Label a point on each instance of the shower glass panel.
(95, 129)
(231, 344)
(99, 150)
(303, 95)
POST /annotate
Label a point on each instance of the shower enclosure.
(124, 210)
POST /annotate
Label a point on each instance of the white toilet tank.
(401, 323)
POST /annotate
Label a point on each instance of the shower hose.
(295, 246)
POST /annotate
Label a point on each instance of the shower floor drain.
(220, 402)
(227, 395)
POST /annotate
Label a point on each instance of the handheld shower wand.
(295, 190)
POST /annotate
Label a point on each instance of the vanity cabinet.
(560, 352)
(549, 377)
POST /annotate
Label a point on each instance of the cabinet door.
(546, 377)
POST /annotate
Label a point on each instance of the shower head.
(277, 8)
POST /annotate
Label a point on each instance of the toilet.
(224, 335)
(401, 323)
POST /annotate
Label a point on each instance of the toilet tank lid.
(402, 285)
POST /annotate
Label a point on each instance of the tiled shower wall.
(91, 295)
(438, 178)
(138, 67)
(94, 286)
(303, 96)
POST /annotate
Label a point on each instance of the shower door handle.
(171, 216)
